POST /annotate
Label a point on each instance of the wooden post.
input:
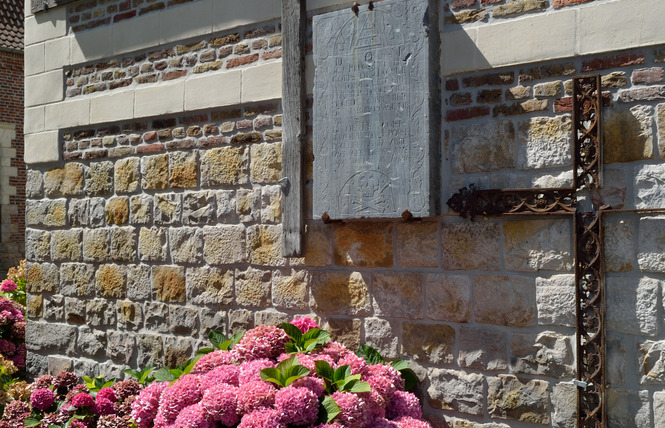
(294, 21)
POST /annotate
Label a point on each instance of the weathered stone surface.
(651, 251)
(210, 286)
(545, 354)
(660, 120)
(123, 244)
(615, 369)
(97, 213)
(224, 244)
(90, 342)
(38, 363)
(266, 164)
(532, 245)
(212, 319)
(34, 307)
(37, 245)
(140, 209)
(58, 364)
(508, 398)
(54, 309)
(78, 212)
(628, 408)
(138, 282)
(659, 409)
(620, 244)
(49, 213)
(111, 281)
(457, 391)
(96, 245)
(177, 351)
(65, 181)
(614, 80)
(418, 244)
(318, 245)
(240, 320)
(199, 208)
(169, 283)
(42, 278)
(483, 348)
(398, 295)
(154, 172)
(474, 151)
(467, 246)
(652, 362)
(448, 297)
(225, 166)
(50, 337)
(248, 205)
(184, 171)
(428, 343)
(186, 245)
(183, 320)
(153, 244)
(127, 175)
(545, 142)
(253, 288)
(150, 350)
(74, 310)
(632, 305)
(100, 313)
(157, 317)
(117, 210)
(264, 245)
(364, 245)
(649, 186)
(555, 298)
(564, 404)
(505, 300)
(121, 346)
(548, 89)
(130, 316)
(290, 289)
(346, 331)
(383, 335)
(271, 204)
(345, 293)
(99, 179)
(34, 186)
(226, 206)
(168, 208)
(634, 125)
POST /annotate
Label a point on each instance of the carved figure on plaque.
(375, 123)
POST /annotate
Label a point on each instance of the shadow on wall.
(459, 50)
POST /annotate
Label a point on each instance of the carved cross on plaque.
(588, 232)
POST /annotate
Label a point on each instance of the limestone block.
(649, 186)
(157, 317)
(253, 288)
(616, 357)
(383, 335)
(555, 299)
(112, 107)
(467, 246)
(418, 244)
(659, 409)
(532, 245)
(49, 213)
(117, 210)
(225, 166)
(634, 125)
(660, 118)
(448, 297)
(153, 244)
(344, 293)
(210, 286)
(127, 175)
(483, 348)
(398, 295)
(632, 305)
(37, 245)
(34, 186)
(154, 172)
(628, 408)
(123, 244)
(318, 245)
(54, 309)
(169, 283)
(150, 350)
(50, 337)
(186, 245)
(545, 142)
(248, 205)
(74, 310)
(240, 320)
(456, 391)
(290, 289)
(183, 320)
(78, 212)
(90, 342)
(263, 82)
(545, 354)
(168, 209)
(140, 209)
(266, 164)
(184, 172)
(212, 319)
(199, 208)
(620, 244)
(474, 151)
(224, 244)
(264, 245)
(65, 181)
(42, 278)
(364, 245)
(226, 206)
(508, 398)
(130, 316)
(77, 279)
(429, 343)
(505, 300)
(271, 204)
(66, 245)
(42, 148)
(346, 331)
(96, 245)
(652, 362)
(111, 281)
(97, 213)
(564, 403)
(121, 346)
(138, 282)
(177, 350)
(100, 313)
(651, 251)
(99, 178)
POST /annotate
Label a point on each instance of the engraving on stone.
(373, 140)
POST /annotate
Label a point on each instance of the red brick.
(486, 2)
(562, 3)
(463, 4)
(466, 113)
(126, 15)
(95, 154)
(548, 71)
(150, 148)
(652, 93)
(461, 99)
(176, 74)
(647, 76)
(187, 143)
(452, 85)
(613, 62)
(150, 136)
(563, 105)
(72, 155)
(489, 79)
(277, 53)
(242, 60)
(213, 141)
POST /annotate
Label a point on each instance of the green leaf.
(371, 355)
(357, 386)
(296, 371)
(204, 351)
(164, 375)
(132, 372)
(235, 339)
(331, 408)
(145, 375)
(324, 370)
(31, 422)
(399, 365)
(272, 374)
(293, 331)
(290, 348)
(342, 373)
(410, 379)
(288, 363)
(217, 338)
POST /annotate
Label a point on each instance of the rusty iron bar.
(587, 159)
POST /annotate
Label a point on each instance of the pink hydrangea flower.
(298, 406)
(353, 410)
(42, 399)
(408, 422)
(77, 424)
(356, 364)
(305, 324)
(83, 400)
(383, 385)
(226, 374)
(214, 359)
(255, 395)
(313, 383)
(334, 350)
(404, 404)
(383, 423)
(264, 341)
(108, 393)
(183, 393)
(250, 371)
(220, 403)
(193, 417)
(386, 371)
(262, 418)
(104, 406)
(144, 408)
(8, 285)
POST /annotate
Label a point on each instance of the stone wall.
(148, 229)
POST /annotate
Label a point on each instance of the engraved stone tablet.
(375, 122)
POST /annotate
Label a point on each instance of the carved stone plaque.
(375, 122)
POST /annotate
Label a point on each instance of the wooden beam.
(294, 21)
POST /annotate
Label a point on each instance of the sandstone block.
(457, 391)
(157, 317)
(99, 179)
(620, 244)
(266, 165)
(418, 244)
(467, 246)
(518, 7)
(555, 297)
(66, 245)
(210, 286)
(364, 245)
(634, 125)
(346, 331)
(253, 288)
(290, 289)
(100, 313)
(34, 186)
(472, 151)
(271, 204)
(649, 186)
(117, 210)
(429, 343)
(632, 306)
(545, 354)
(505, 300)
(130, 316)
(240, 320)
(225, 166)
(199, 208)
(183, 320)
(212, 319)
(140, 211)
(318, 245)
(532, 245)
(652, 362)
(42, 278)
(483, 348)
(50, 337)
(127, 175)
(226, 206)
(264, 245)
(96, 245)
(186, 245)
(150, 350)
(152, 244)
(123, 244)
(74, 310)
(651, 251)
(545, 142)
(154, 172)
(77, 279)
(508, 398)
(384, 336)
(168, 209)
(224, 244)
(111, 281)
(90, 342)
(34, 306)
(121, 346)
(169, 283)
(628, 408)
(398, 295)
(37, 245)
(344, 293)
(248, 205)
(184, 170)
(49, 213)
(78, 212)
(614, 80)
(65, 181)
(448, 297)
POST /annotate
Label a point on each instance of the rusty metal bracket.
(587, 159)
